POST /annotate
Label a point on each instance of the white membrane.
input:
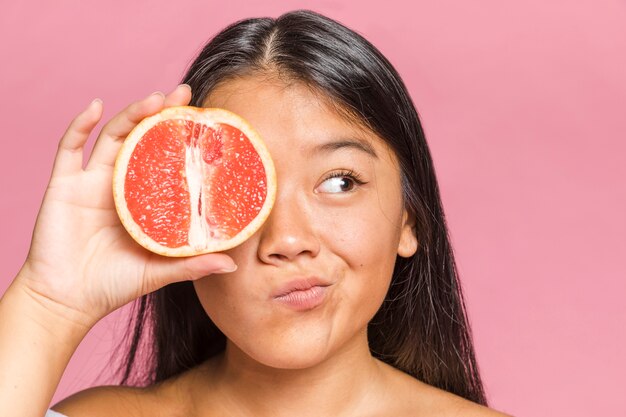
(195, 173)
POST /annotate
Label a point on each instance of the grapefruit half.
(192, 180)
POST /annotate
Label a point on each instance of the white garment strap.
(52, 413)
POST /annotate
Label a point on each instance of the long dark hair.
(422, 327)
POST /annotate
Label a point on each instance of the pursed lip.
(304, 294)
(300, 284)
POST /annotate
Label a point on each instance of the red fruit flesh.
(187, 182)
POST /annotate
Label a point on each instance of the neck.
(342, 384)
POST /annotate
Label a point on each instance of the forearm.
(36, 345)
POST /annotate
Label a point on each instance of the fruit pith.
(194, 183)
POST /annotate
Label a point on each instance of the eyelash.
(346, 174)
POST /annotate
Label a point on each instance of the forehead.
(295, 115)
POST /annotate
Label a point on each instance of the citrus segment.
(155, 190)
(191, 180)
(237, 189)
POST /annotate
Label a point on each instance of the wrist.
(36, 345)
(35, 306)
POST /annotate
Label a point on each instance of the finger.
(115, 131)
(181, 96)
(106, 150)
(167, 270)
(69, 158)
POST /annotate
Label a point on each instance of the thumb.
(169, 270)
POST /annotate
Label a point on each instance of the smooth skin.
(278, 362)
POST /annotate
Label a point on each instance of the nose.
(288, 233)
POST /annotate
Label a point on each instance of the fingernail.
(226, 269)
(97, 100)
(187, 86)
(157, 93)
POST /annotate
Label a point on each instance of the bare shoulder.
(447, 404)
(106, 401)
(419, 398)
(103, 401)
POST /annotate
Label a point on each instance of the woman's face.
(312, 277)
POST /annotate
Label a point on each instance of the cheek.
(236, 302)
(208, 292)
(225, 296)
(365, 243)
(365, 237)
(220, 300)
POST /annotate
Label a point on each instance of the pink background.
(524, 107)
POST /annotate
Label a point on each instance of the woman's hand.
(82, 263)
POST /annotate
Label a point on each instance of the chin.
(295, 360)
(280, 354)
(290, 364)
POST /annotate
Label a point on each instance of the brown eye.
(337, 185)
(341, 182)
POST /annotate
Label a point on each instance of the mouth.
(302, 294)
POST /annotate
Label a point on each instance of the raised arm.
(82, 264)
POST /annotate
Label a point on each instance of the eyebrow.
(345, 143)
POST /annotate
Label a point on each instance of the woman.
(345, 302)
